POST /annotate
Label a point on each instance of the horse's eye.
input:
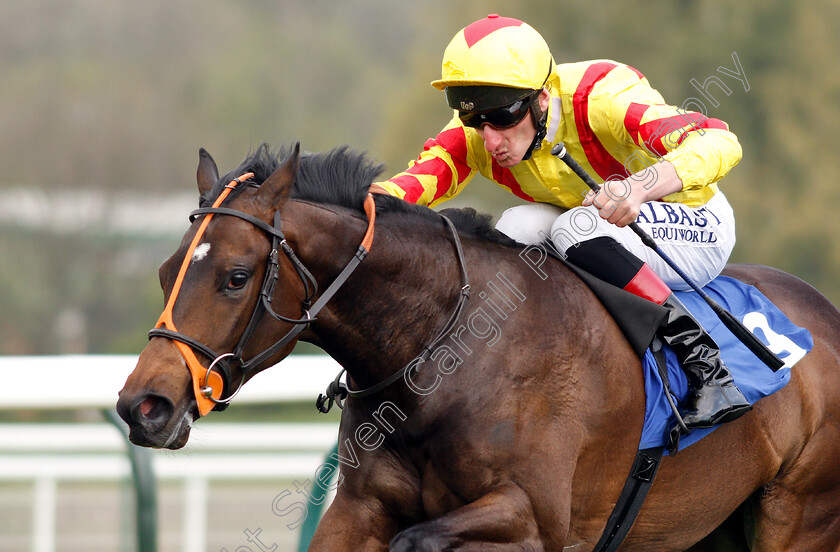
(237, 280)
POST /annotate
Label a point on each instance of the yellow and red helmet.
(497, 63)
(496, 52)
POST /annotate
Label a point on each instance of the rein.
(337, 391)
(209, 383)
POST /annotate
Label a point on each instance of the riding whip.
(735, 326)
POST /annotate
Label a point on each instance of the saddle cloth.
(753, 377)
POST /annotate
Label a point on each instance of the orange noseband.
(202, 377)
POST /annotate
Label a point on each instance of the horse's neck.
(405, 291)
(398, 302)
(395, 302)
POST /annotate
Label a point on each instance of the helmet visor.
(483, 98)
(503, 117)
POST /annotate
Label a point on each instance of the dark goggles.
(503, 117)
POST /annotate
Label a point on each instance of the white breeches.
(698, 239)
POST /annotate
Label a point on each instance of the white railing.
(46, 454)
(82, 381)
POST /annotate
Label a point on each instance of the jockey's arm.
(693, 152)
(439, 173)
(380, 188)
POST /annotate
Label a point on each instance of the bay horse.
(518, 430)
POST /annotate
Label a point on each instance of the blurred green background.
(104, 104)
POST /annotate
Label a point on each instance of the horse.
(504, 422)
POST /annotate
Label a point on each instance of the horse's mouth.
(170, 438)
(154, 421)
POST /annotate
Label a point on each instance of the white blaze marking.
(200, 252)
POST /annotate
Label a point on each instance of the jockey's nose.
(492, 137)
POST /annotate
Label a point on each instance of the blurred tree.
(109, 97)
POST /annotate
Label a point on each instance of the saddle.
(665, 382)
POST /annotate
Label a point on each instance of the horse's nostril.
(124, 411)
(147, 405)
(153, 409)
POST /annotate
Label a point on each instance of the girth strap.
(630, 501)
(638, 483)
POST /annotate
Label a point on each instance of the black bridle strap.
(278, 240)
(462, 299)
(264, 226)
(361, 253)
(463, 296)
(263, 303)
(187, 340)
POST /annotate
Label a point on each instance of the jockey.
(661, 164)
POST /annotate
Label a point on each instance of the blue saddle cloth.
(752, 376)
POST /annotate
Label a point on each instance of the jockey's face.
(508, 145)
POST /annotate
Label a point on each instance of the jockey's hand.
(619, 201)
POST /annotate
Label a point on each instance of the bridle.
(337, 391)
(209, 383)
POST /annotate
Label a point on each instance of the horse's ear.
(278, 187)
(207, 173)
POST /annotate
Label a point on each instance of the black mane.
(342, 177)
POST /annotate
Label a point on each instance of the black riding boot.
(713, 397)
